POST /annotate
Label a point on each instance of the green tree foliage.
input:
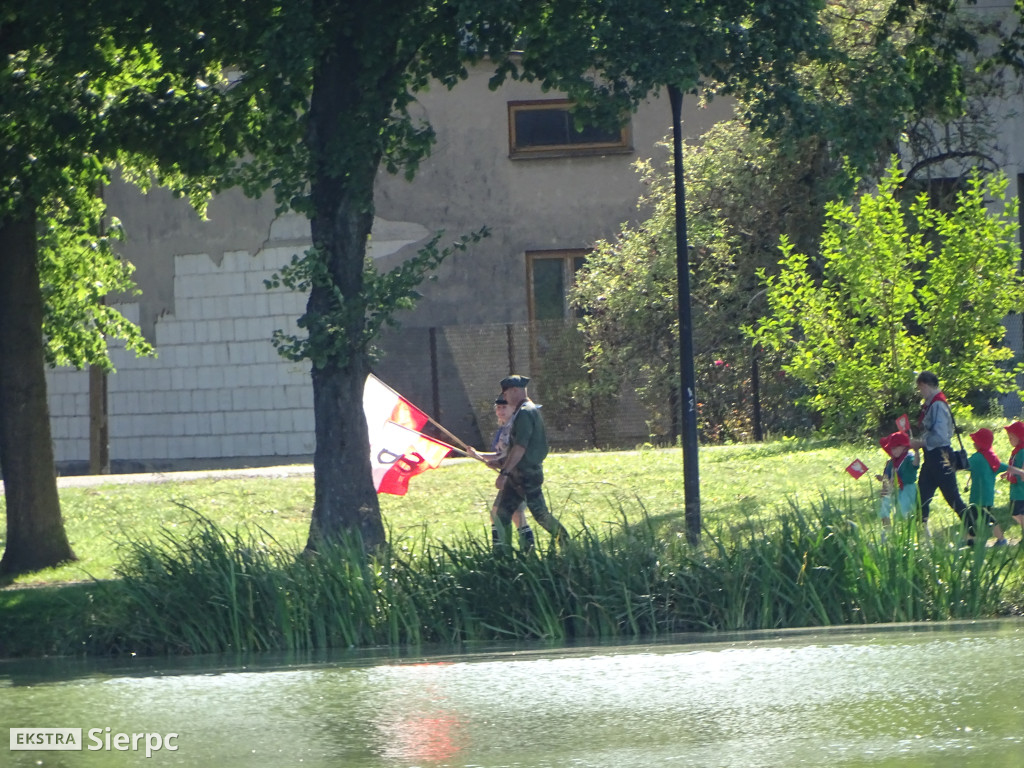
(355, 70)
(84, 86)
(385, 293)
(742, 191)
(898, 76)
(631, 321)
(904, 288)
(78, 269)
(610, 56)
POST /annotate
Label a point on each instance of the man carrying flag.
(522, 474)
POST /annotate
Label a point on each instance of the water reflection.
(937, 695)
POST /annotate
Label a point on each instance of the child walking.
(899, 478)
(984, 465)
(1015, 471)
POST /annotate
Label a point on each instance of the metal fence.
(1013, 406)
(453, 373)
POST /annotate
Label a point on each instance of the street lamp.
(687, 378)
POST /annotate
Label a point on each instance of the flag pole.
(462, 448)
(449, 435)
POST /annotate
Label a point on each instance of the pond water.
(909, 695)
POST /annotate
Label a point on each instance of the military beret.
(515, 380)
(500, 400)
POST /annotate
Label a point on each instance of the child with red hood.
(984, 465)
(899, 477)
(1015, 473)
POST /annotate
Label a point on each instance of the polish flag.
(382, 404)
(398, 454)
(857, 468)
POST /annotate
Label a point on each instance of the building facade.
(217, 393)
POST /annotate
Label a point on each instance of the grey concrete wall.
(218, 394)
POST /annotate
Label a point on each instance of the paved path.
(85, 481)
(82, 481)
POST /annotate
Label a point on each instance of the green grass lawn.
(738, 482)
(215, 564)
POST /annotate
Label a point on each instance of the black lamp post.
(687, 377)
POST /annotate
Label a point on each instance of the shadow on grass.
(54, 620)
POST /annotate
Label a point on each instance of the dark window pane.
(548, 289)
(592, 134)
(541, 127)
(555, 127)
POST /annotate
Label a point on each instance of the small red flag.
(857, 468)
(903, 424)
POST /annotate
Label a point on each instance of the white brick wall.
(217, 389)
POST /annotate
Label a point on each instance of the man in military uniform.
(522, 473)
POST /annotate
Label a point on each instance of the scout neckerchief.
(924, 409)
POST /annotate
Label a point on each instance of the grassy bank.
(213, 565)
(212, 590)
(446, 505)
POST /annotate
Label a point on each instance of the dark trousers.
(526, 483)
(937, 473)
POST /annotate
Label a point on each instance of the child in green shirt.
(984, 465)
(899, 478)
(1015, 471)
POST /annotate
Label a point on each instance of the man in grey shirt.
(938, 471)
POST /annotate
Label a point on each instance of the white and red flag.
(903, 424)
(398, 454)
(398, 450)
(382, 404)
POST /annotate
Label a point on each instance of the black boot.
(526, 539)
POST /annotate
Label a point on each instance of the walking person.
(495, 458)
(522, 472)
(938, 472)
(899, 478)
(984, 466)
(1015, 471)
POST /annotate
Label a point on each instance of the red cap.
(982, 439)
(1017, 429)
(894, 440)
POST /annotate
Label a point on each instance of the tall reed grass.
(218, 590)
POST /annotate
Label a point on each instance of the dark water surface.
(941, 695)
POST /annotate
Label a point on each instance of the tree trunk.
(35, 529)
(345, 501)
(344, 165)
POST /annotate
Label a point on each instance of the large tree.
(84, 86)
(364, 64)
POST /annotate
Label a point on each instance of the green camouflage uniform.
(526, 480)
